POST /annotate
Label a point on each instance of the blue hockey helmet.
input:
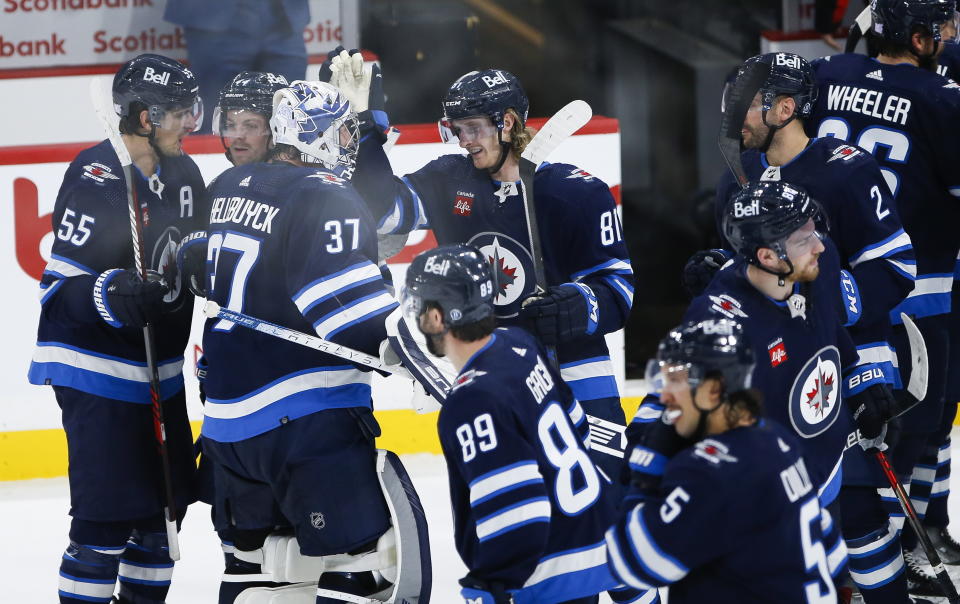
(765, 214)
(489, 92)
(316, 119)
(161, 86)
(706, 349)
(789, 75)
(247, 91)
(456, 277)
(894, 20)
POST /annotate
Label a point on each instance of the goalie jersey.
(294, 246)
(580, 231)
(801, 351)
(91, 224)
(708, 535)
(527, 505)
(908, 119)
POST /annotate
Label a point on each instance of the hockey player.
(242, 116)
(475, 198)
(863, 224)
(899, 109)
(291, 430)
(695, 521)
(90, 343)
(529, 514)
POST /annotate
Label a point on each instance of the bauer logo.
(815, 395)
(162, 78)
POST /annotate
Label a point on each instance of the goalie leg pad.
(298, 593)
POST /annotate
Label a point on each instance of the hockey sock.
(876, 566)
(939, 486)
(88, 570)
(145, 568)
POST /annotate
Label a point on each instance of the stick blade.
(558, 128)
(101, 96)
(919, 363)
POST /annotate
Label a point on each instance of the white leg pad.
(299, 593)
(281, 560)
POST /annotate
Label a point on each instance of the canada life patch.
(463, 204)
(777, 351)
(815, 395)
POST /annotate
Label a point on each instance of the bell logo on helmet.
(788, 60)
(741, 210)
(149, 75)
(437, 268)
(492, 81)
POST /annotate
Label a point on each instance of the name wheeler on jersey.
(707, 534)
(294, 246)
(800, 355)
(895, 112)
(75, 346)
(528, 510)
(580, 232)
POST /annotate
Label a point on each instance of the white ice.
(34, 526)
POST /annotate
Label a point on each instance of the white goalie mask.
(316, 119)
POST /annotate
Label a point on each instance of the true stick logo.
(162, 78)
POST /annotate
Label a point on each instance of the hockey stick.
(558, 128)
(213, 310)
(736, 101)
(919, 366)
(108, 119)
(861, 25)
(949, 590)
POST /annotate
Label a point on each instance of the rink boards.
(32, 444)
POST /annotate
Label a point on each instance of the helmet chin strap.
(504, 150)
(780, 275)
(772, 130)
(701, 430)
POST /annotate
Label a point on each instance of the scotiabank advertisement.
(59, 33)
(30, 177)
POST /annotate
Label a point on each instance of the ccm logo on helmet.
(741, 210)
(437, 268)
(493, 81)
(149, 75)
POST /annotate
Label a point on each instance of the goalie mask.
(167, 90)
(316, 119)
(765, 215)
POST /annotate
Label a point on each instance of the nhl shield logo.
(317, 520)
(815, 396)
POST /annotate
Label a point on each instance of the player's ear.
(787, 107)
(145, 119)
(766, 256)
(918, 40)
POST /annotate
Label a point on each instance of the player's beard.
(435, 344)
(757, 135)
(808, 273)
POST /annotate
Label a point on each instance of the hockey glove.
(700, 269)
(870, 401)
(124, 300)
(201, 372)
(363, 86)
(475, 591)
(657, 444)
(562, 313)
(192, 262)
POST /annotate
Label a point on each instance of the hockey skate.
(945, 544)
(920, 578)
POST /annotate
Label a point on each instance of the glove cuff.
(593, 307)
(647, 461)
(101, 300)
(374, 123)
(862, 377)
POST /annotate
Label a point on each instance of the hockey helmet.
(316, 119)
(704, 349)
(765, 214)
(163, 87)
(247, 91)
(489, 92)
(456, 277)
(894, 20)
(789, 75)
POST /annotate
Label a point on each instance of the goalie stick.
(436, 388)
(109, 120)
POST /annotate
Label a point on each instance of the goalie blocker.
(397, 570)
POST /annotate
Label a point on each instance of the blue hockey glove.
(656, 445)
(124, 300)
(871, 402)
(700, 269)
(192, 262)
(201, 372)
(475, 591)
(562, 313)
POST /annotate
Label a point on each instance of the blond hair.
(520, 134)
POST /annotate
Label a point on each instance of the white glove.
(392, 360)
(353, 78)
(420, 400)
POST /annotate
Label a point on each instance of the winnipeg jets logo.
(815, 394)
(466, 378)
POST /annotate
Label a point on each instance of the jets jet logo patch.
(844, 153)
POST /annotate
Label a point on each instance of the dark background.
(630, 59)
